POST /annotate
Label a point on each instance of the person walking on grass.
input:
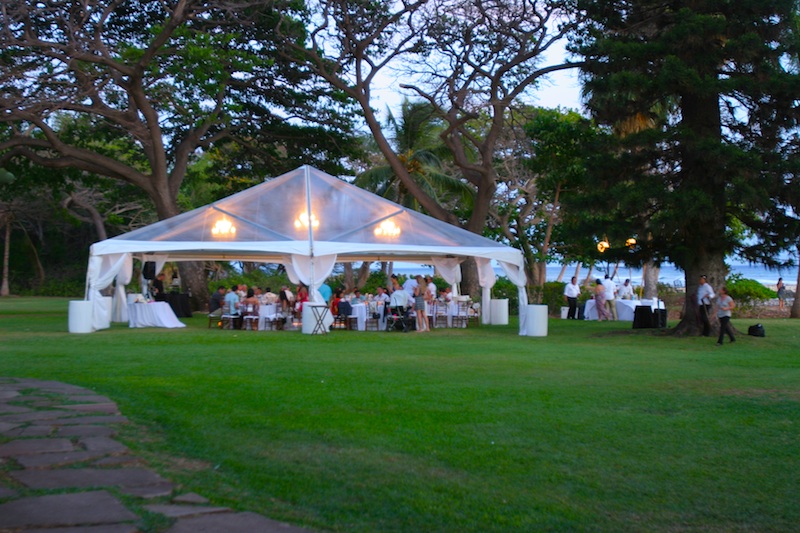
(781, 294)
(725, 305)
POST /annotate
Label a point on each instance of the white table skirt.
(153, 315)
(360, 312)
(625, 309)
(266, 311)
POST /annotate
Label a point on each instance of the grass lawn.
(596, 427)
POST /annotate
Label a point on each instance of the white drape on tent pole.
(299, 269)
(486, 279)
(518, 278)
(450, 270)
(120, 302)
(100, 274)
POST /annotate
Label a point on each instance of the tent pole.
(312, 290)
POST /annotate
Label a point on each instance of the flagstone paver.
(89, 508)
(62, 441)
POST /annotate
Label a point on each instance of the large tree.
(726, 73)
(469, 59)
(164, 80)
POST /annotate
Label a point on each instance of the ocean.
(669, 273)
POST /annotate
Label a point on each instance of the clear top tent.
(306, 220)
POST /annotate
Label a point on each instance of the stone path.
(61, 471)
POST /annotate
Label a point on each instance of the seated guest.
(270, 297)
(216, 301)
(357, 297)
(337, 297)
(625, 292)
(399, 300)
(250, 303)
(448, 294)
(380, 295)
(232, 300)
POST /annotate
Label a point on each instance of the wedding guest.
(704, 296)
(626, 291)
(725, 305)
(571, 293)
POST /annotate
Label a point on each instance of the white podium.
(80, 316)
(499, 312)
(536, 321)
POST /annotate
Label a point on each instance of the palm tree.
(416, 139)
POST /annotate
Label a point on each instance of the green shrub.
(747, 293)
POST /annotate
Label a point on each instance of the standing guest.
(420, 294)
(600, 300)
(301, 298)
(571, 293)
(704, 295)
(326, 292)
(216, 301)
(725, 305)
(286, 298)
(781, 293)
(432, 290)
(158, 288)
(611, 294)
(626, 291)
(409, 285)
(399, 298)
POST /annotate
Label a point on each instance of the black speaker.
(642, 317)
(149, 270)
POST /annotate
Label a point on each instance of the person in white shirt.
(409, 286)
(571, 293)
(626, 291)
(704, 296)
(611, 293)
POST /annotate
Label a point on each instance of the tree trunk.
(563, 271)
(193, 278)
(588, 281)
(651, 273)
(349, 278)
(469, 278)
(691, 322)
(4, 289)
(363, 274)
(795, 311)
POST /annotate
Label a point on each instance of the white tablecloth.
(360, 312)
(153, 315)
(266, 311)
(625, 308)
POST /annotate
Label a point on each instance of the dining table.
(152, 315)
(625, 308)
(267, 313)
(360, 313)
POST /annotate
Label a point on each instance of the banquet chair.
(250, 318)
(474, 314)
(373, 318)
(342, 318)
(227, 320)
(439, 316)
(461, 318)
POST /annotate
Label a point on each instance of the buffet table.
(625, 308)
(152, 315)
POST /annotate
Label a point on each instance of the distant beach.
(669, 274)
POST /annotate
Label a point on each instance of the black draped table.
(179, 302)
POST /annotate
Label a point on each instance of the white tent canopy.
(306, 220)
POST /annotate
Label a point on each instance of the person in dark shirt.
(158, 288)
(217, 299)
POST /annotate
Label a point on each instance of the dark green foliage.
(703, 99)
(552, 295)
(748, 293)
